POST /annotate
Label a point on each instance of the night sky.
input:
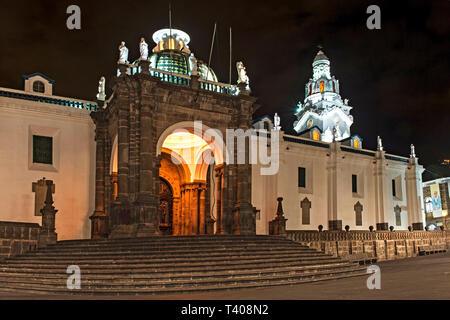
(397, 78)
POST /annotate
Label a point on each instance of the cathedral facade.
(152, 158)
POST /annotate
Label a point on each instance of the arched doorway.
(165, 207)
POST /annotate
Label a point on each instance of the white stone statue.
(101, 89)
(379, 144)
(346, 102)
(143, 49)
(123, 53)
(193, 63)
(242, 73)
(413, 151)
(276, 122)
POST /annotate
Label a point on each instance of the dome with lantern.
(172, 52)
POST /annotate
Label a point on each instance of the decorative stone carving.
(358, 213)
(40, 191)
(305, 204)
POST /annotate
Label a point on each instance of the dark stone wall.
(17, 238)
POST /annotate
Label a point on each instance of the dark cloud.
(397, 78)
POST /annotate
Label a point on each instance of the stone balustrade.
(385, 245)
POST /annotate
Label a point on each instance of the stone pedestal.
(195, 84)
(335, 225)
(417, 226)
(145, 65)
(277, 226)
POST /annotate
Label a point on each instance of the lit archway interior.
(183, 188)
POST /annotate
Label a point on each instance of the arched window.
(266, 126)
(356, 143)
(334, 87)
(38, 86)
(322, 86)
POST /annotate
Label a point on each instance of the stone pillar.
(414, 194)
(47, 234)
(334, 224)
(148, 196)
(98, 218)
(278, 225)
(244, 212)
(381, 191)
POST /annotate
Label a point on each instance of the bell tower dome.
(323, 106)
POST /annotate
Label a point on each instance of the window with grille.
(42, 149)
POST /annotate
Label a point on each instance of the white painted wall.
(266, 189)
(73, 173)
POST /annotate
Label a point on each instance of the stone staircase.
(170, 264)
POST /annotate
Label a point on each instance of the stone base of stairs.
(171, 264)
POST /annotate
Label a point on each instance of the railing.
(182, 79)
(218, 87)
(10, 93)
(312, 235)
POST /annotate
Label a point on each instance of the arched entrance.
(185, 162)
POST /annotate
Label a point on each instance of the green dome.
(178, 62)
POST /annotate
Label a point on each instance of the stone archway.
(142, 113)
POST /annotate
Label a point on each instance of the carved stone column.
(98, 218)
(219, 195)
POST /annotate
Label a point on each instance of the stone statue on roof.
(123, 53)
(143, 49)
(379, 144)
(101, 89)
(276, 122)
(242, 73)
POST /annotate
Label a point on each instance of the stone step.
(133, 290)
(165, 255)
(193, 240)
(178, 274)
(176, 249)
(176, 262)
(165, 282)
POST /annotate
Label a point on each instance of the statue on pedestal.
(143, 49)
(276, 122)
(379, 144)
(101, 89)
(123, 53)
(413, 151)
